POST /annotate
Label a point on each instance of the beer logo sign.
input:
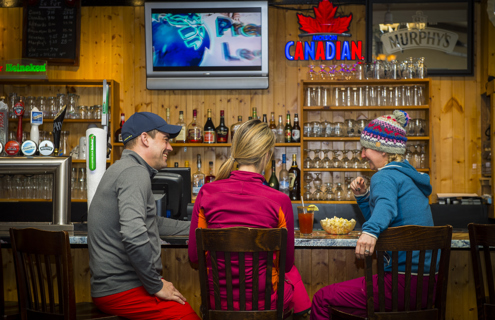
(46, 147)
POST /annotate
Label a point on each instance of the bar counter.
(322, 260)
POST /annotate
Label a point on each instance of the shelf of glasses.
(417, 138)
(357, 108)
(366, 82)
(347, 170)
(65, 120)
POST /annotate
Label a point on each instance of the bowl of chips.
(338, 225)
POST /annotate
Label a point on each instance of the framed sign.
(441, 31)
(52, 31)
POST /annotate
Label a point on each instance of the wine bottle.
(209, 130)
(294, 181)
(283, 177)
(273, 182)
(222, 130)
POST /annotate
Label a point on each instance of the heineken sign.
(23, 69)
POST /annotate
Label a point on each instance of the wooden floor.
(318, 268)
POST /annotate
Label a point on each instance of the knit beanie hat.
(386, 133)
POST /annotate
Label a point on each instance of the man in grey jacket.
(124, 231)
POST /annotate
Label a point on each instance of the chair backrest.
(483, 235)
(42, 258)
(242, 241)
(2, 295)
(409, 239)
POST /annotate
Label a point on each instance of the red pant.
(138, 304)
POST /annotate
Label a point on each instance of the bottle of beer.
(296, 129)
(273, 126)
(273, 182)
(288, 130)
(295, 181)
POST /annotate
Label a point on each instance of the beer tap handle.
(19, 112)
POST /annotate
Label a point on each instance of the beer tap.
(19, 112)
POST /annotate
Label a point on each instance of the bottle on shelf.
(186, 164)
(210, 177)
(294, 180)
(198, 179)
(167, 118)
(234, 127)
(273, 182)
(283, 177)
(288, 130)
(264, 118)
(296, 129)
(195, 133)
(250, 118)
(176, 164)
(181, 137)
(280, 130)
(273, 126)
(118, 133)
(255, 113)
(222, 130)
(209, 130)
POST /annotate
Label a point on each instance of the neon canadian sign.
(324, 29)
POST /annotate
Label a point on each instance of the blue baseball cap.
(141, 122)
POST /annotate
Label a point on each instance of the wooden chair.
(242, 241)
(35, 252)
(408, 239)
(483, 235)
(9, 310)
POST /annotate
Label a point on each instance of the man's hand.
(169, 292)
(365, 246)
(358, 186)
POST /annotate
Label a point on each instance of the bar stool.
(40, 256)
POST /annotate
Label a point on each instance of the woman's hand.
(358, 186)
(365, 246)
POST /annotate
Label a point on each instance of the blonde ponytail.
(252, 141)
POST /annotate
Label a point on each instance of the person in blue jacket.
(397, 196)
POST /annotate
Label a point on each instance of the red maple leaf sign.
(325, 21)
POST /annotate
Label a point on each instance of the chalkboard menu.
(52, 30)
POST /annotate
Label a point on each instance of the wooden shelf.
(56, 82)
(366, 82)
(413, 138)
(292, 144)
(204, 145)
(65, 120)
(357, 108)
(346, 170)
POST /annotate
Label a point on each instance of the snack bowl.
(338, 225)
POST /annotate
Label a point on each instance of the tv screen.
(207, 45)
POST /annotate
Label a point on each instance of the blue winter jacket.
(398, 196)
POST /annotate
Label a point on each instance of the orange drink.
(306, 217)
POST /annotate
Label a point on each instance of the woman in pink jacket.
(242, 198)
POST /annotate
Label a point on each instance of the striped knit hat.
(386, 133)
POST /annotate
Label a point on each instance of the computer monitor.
(172, 190)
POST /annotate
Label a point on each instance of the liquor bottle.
(273, 182)
(198, 179)
(210, 177)
(209, 131)
(294, 181)
(167, 118)
(296, 129)
(288, 130)
(222, 130)
(181, 137)
(176, 164)
(255, 113)
(234, 127)
(195, 133)
(264, 118)
(273, 126)
(118, 133)
(283, 177)
(280, 130)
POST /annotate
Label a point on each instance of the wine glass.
(349, 195)
(322, 74)
(308, 196)
(317, 163)
(346, 162)
(326, 162)
(329, 195)
(307, 163)
(355, 162)
(416, 157)
(317, 182)
(311, 72)
(339, 192)
(337, 163)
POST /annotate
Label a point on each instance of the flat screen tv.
(206, 45)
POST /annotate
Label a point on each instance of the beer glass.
(306, 217)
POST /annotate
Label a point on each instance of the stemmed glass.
(308, 178)
(327, 163)
(322, 75)
(364, 164)
(356, 163)
(307, 163)
(346, 162)
(349, 195)
(308, 196)
(416, 157)
(317, 163)
(339, 192)
(329, 195)
(311, 72)
(337, 163)
(318, 194)
(409, 155)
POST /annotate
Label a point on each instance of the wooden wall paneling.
(128, 83)
(319, 269)
(279, 93)
(461, 298)
(336, 265)
(458, 138)
(446, 134)
(142, 100)
(303, 262)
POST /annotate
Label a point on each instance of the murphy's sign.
(430, 38)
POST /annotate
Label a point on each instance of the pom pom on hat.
(386, 133)
(402, 117)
